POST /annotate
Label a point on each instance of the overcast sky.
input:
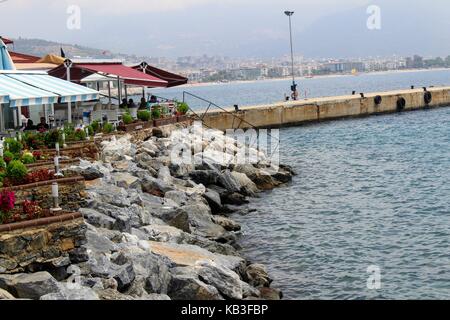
(191, 27)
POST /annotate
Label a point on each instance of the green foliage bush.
(90, 130)
(2, 164)
(8, 156)
(95, 125)
(182, 107)
(127, 118)
(144, 115)
(79, 135)
(33, 141)
(156, 113)
(14, 146)
(28, 158)
(16, 171)
(108, 128)
(51, 138)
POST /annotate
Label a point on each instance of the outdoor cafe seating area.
(70, 92)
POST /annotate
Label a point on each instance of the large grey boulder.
(117, 150)
(29, 286)
(97, 219)
(176, 217)
(151, 269)
(156, 186)
(102, 267)
(110, 194)
(98, 242)
(185, 285)
(76, 293)
(247, 185)
(163, 233)
(126, 180)
(91, 173)
(257, 276)
(205, 177)
(124, 218)
(227, 223)
(229, 182)
(179, 197)
(201, 220)
(214, 201)
(226, 281)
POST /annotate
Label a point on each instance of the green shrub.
(90, 130)
(108, 128)
(8, 156)
(14, 146)
(127, 118)
(51, 138)
(79, 135)
(2, 164)
(156, 113)
(28, 158)
(33, 141)
(95, 125)
(144, 115)
(182, 107)
(16, 171)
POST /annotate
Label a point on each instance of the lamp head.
(289, 13)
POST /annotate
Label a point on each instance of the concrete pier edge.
(294, 113)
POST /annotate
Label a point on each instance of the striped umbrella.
(6, 62)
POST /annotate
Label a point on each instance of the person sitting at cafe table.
(131, 104)
(42, 126)
(124, 104)
(30, 126)
(153, 99)
(143, 105)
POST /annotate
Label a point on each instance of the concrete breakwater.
(292, 113)
(155, 228)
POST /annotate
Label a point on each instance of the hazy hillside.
(39, 47)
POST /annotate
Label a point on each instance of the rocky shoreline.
(158, 228)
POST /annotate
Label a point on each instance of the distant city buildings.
(224, 69)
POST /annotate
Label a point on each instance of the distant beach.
(204, 84)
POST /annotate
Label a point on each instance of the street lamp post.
(294, 85)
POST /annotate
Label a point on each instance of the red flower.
(7, 201)
(31, 209)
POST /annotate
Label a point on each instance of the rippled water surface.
(270, 91)
(371, 191)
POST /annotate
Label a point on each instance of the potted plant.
(144, 115)
(182, 108)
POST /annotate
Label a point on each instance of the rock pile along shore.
(157, 224)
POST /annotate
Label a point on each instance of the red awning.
(22, 58)
(172, 78)
(79, 71)
(6, 41)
